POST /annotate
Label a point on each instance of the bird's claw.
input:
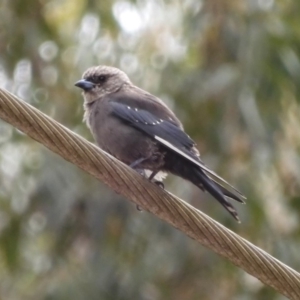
(159, 183)
(140, 171)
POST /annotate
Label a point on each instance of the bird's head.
(99, 81)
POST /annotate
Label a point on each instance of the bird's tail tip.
(219, 192)
(232, 211)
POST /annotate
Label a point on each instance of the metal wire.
(148, 196)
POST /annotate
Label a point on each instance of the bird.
(140, 130)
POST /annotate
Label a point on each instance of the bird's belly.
(127, 143)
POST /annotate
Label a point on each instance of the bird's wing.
(152, 125)
(163, 131)
(140, 99)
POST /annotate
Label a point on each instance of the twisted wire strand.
(148, 196)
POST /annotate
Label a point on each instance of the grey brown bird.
(141, 131)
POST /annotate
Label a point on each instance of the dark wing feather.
(132, 97)
(154, 126)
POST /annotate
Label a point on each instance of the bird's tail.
(198, 177)
(218, 192)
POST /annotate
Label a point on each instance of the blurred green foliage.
(230, 70)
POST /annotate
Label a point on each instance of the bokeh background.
(231, 71)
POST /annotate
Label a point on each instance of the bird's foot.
(139, 208)
(159, 183)
(143, 173)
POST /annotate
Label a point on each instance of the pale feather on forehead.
(105, 70)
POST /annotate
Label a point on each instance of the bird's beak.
(84, 84)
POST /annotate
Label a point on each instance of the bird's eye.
(101, 78)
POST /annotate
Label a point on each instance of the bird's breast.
(117, 137)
